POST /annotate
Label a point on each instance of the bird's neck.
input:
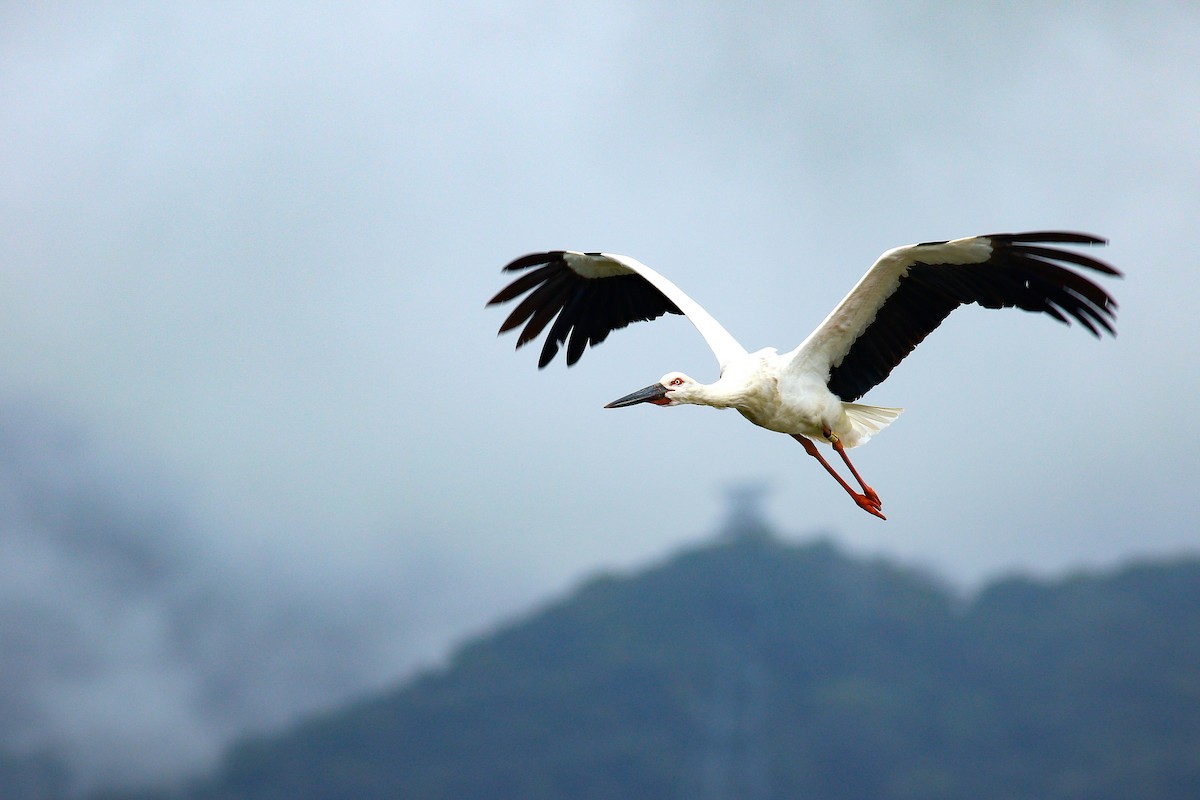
(721, 394)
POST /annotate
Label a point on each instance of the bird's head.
(673, 389)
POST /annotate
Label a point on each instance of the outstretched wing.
(910, 290)
(590, 295)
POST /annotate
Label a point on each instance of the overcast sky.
(244, 255)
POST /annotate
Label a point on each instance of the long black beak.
(654, 393)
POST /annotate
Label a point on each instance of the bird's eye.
(677, 382)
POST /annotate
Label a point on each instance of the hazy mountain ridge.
(754, 668)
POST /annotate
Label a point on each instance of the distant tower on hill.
(745, 519)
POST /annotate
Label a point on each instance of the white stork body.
(809, 392)
(764, 390)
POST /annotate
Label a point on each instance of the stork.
(809, 392)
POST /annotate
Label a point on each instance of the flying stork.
(809, 393)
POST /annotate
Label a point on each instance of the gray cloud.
(134, 652)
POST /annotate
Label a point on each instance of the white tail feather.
(867, 421)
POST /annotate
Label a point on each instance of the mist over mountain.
(132, 650)
(752, 668)
(747, 667)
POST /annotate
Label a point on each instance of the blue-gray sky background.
(245, 253)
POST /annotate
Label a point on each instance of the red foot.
(869, 502)
(872, 496)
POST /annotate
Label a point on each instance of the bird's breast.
(795, 411)
(763, 405)
(754, 390)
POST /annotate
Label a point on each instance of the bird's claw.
(869, 502)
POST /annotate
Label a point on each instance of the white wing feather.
(826, 346)
(720, 341)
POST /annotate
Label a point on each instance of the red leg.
(868, 502)
(867, 490)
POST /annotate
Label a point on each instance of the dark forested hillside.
(753, 669)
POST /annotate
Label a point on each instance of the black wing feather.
(584, 310)
(1021, 273)
(523, 284)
